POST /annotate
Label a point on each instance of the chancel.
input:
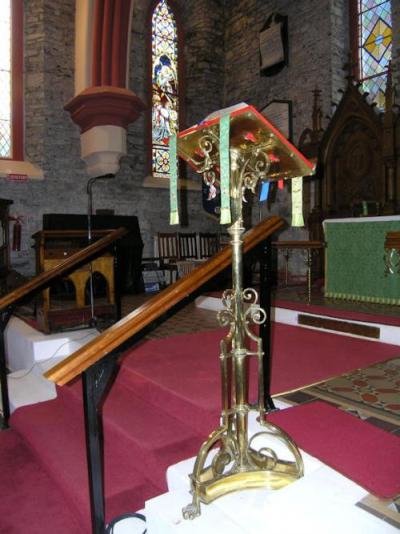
(226, 282)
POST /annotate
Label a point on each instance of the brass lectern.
(253, 150)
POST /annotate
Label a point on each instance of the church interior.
(200, 266)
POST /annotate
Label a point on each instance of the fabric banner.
(355, 266)
(173, 181)
(297, 201)
(224, 158)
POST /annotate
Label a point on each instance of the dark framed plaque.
(274, 45)
(279, 113)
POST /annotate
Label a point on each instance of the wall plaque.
(273, 45)
(279, 113)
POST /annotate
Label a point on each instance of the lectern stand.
(233, 151)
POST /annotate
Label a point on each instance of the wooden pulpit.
(54, 246)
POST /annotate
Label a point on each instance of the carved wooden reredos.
(358, 158)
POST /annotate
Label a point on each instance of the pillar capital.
(104, 106)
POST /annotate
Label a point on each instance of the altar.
(354, 259)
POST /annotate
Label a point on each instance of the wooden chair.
(209, 244)
(168, 249)
(188, 246)
(168, 254)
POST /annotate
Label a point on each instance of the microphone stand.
(90, 183)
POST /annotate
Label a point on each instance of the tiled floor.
(188, 319)
(388, 511)
(373, 391)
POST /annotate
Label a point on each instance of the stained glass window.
(5, 79)
(165, 93)
(374, 46)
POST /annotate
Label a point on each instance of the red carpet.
(31, 502)
(301, 356)
(183, 372)
(360, 451)
(54, 432)
(165, 400)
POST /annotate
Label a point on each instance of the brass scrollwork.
(392, 261)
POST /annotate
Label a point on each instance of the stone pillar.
(103, 106)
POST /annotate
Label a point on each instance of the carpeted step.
(30, 500)
(149, 431)
(360, 451)
(181, 375)
(140, 442)
(71, 394)
(166, 375)
(302, 357)
(153, 438)
(56, 437)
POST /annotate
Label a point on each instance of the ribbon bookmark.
(297, 201)
(264, 192)
(173, 181)
(224, 161)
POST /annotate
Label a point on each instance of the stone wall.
(221, 68)
(52, 140)
(317, 51)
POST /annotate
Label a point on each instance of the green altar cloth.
(354, 260)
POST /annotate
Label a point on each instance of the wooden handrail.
(134, 322)
(44, 279)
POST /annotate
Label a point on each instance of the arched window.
(11, 105)
(371, 41)
(165, 85)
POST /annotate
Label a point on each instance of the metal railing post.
(265, 327)
(4, 318)
(95, 381)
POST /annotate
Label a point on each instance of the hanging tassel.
(297, 201)
(173, 181)
(224, 158)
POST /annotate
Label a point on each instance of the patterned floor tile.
(374, 391)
